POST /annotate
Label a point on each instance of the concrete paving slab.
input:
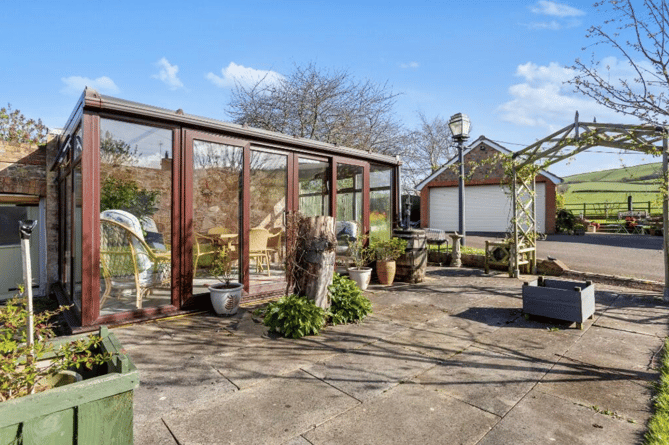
(299, 440)
(251, 365)
(137, 336)
(488, 380)
(411, 314)
(356, 335)
(430, 340)
(367, 372)
(152, 433)
(267, 414)
(545, 419)
(616, 350)
(406, 414)
(174, 382)
(625, 393)
(645, 315)
(537, 338)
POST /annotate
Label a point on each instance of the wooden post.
(665, 211)
(514, 256)
(315, 259)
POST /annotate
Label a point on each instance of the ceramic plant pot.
(360, 276)
(225, 298)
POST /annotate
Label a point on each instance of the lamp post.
(460, 126)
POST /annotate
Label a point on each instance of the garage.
(488, 204)
(487, 208)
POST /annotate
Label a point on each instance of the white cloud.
(409, 65)
(544, 100)
(74, 85)
(168, 74)
(547, 7)
(553, 25)
(234, 73)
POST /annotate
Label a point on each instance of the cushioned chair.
(345, 231)
(127, 261)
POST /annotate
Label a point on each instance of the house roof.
(481, 140)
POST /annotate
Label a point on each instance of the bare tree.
(638, 33)
(427, 149)
(327, 106)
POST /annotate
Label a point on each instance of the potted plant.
(361, 254)
(47, 387)
(226, 295)
(386, 252)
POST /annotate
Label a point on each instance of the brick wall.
(486, 171)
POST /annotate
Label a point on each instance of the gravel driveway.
(637, 256)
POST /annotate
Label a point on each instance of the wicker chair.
(258, 248)
(127, 262)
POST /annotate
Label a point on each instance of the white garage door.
(487, 208)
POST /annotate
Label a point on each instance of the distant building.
(488, 204)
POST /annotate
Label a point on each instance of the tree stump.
(315, 258)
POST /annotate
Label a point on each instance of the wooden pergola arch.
(563, 144)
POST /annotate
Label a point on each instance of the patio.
(451, 360)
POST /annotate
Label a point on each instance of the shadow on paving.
(460, 333)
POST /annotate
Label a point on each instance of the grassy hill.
(642, 182)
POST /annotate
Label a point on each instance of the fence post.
(584, 210)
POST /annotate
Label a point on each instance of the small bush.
(294, 317)
(21, 368)
(565, 221)
(347, 302)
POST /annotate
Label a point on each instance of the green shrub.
(565, 221)
(347, 302)
(294, 317)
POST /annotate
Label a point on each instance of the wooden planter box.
(563, 300)
(97, 410)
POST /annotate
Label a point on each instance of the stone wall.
(23, 168)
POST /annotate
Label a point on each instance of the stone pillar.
(456, 256)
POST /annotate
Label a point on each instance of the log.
(315, 259)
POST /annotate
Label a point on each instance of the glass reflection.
(216, 184)
(314, 187)
(136, 216)
(380, 182)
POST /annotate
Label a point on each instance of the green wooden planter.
(97, 410)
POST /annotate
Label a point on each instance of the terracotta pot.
(386, 272)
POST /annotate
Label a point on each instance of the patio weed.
(658, 426)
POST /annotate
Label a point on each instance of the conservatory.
(148, 198)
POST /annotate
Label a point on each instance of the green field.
(606, 188)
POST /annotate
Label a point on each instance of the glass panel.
(76, 253)
(314, 187)
(349, 193)
(77, 144)
(67, 260)
(136, 216)
(380, 182)
(217, 170)
(349, 210)
(267, 238)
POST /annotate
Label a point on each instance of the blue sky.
(503, 62)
